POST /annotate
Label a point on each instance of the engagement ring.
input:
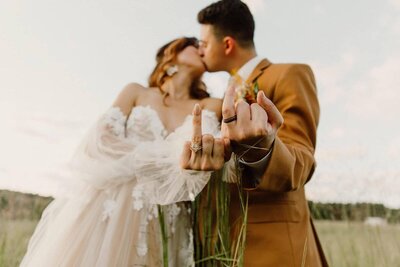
(195, 147)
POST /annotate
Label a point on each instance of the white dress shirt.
(248, 67)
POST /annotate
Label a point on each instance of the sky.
(62, 63)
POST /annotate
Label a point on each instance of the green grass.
(14, 237)
(346, 244)
(353, 244)
(19, 214)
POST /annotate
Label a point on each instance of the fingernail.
(197, 109)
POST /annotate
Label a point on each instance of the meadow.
(346, 244)
(354, 244)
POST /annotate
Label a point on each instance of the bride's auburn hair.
(165, 58)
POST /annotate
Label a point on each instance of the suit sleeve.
(292, 162)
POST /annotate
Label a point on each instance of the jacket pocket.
(285, 211)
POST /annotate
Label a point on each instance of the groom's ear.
(229, 44)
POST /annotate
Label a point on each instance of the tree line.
(14, 205)
(352, 211)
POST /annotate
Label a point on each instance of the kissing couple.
(172, 177)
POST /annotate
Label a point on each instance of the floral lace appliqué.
(109, 207)
(115, 120)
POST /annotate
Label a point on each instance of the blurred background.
(62, 63)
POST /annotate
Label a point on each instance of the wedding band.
(230, 119)
(195, 147)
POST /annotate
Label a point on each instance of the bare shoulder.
(212, 104)
(132, 90)
(128, 97)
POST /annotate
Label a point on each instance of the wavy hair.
(165, 58)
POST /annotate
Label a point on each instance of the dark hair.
(230, 18)
(165, 58)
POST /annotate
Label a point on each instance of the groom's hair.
(230, 18)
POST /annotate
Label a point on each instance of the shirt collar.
(248, 67)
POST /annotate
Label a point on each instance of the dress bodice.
(144, 124)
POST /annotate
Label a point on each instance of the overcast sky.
(62, 63)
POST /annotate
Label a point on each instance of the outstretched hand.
(204, 152)
(250, 128)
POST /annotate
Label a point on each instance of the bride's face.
(190, 58)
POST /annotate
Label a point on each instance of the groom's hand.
(255, 125)
(204, 152)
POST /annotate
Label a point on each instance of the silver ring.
(195, 147)
(230, 119)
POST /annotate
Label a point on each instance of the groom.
(273, 139)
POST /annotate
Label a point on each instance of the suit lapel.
(265, 63)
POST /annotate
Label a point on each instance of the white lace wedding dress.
(128, 168)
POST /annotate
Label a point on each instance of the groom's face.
(211, 49)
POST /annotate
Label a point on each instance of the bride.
(130, 209)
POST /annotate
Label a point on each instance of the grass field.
(351, 244)
(346, 244)
(14, 237)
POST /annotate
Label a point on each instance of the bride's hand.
(204, 152)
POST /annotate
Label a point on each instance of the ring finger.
(208, 143)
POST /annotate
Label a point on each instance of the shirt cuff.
(257, 167)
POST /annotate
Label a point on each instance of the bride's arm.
(128, 97)
(105, 154)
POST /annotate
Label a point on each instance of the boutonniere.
(243, 90)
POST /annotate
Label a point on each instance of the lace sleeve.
(159, 175)
(105, 155)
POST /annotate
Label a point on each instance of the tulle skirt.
(104, 228)
(124, 169)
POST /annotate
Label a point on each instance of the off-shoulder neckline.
(160, 122)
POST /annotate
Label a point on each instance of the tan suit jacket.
(280, 231)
